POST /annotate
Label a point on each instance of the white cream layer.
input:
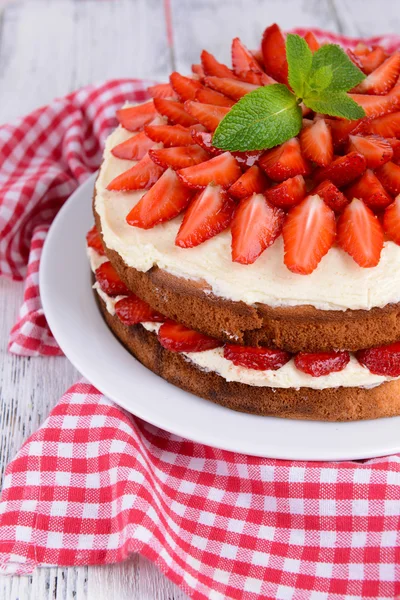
(288, 376)
(337, 284)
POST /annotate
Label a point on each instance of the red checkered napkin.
(95, 483)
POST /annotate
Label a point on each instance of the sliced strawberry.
(209, 213)
(288, 193)
(395, 144)
(260, 359)
(162, 90)
(179, 157)
(247, 159)
(260, 78)
(375, 106)
(369, 189)
(391, 221)
(171, 135)
(316, 143)
(383, 78)
(135, 148)
(134, 118)
(389, 176)
(255, 226)
(204, 139)
(174, 112)
(234, 88)
(386, 126)
(207, 114)
(93, 240)
(212, 67)
(165, 200)
(308, 233)
(371, 59)
(242, 58)
(109, 281)
(375, 148)
(331, 195)
(274, 53)
(342, 128)
(221, 170)
(253, 181)
(321, 363)
(312, 41)
(178, 338)
(360, 234)
(382, 360)
(284, 161)
(343, 170)
(185, 87)
(207, 96)
(140, 177)
(132, 310)
(199, 71)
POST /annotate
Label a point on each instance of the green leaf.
(345, 74)
(321, 79)
(261, 119)
(299, 57)
(337, 104)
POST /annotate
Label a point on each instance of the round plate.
(76, 323)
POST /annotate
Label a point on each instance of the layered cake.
(261, 273)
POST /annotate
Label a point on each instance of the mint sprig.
(271, 114)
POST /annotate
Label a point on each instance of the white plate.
(76, 323)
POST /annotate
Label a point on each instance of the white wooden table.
(51, 47)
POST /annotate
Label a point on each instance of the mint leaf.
(337, 104)
(299, 57)
(261, 119)
(320, 79)
(345, 74)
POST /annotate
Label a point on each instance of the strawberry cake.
(246, 244)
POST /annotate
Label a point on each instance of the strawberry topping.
(93, 240)
(221, 170)
(343, 170)
(375, 148)
(288, 193)
(132, 310)
(274, 53)
(161, 90)
(360, 234)
(260, 359)
(135, 148)
(331, 195)
(174, 111)
(134, 118)
(109, 281)
(383, 78)
(208, 115)
(178, 338)
(207, 96)
(369, 189)
(284, 161)
(383, 360)
(212, 67)
(253, 181)
(171, 135)
(387, 126)
(389, 176)
(140, 177)
(391, 221)
(233, 88)
(321, 363)
(179, 157)
(185, 87)
(316, 143)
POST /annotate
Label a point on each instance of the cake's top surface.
(312, 219)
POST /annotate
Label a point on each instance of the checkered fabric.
(95, 484)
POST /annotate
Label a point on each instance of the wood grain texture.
(47, 49)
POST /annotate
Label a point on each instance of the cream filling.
(338, 283)
(288, 376)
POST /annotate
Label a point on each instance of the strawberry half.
(208, 115)
(242, 59)
(233, 88)
(260, 359)
(331, 195)
(308, 233)
(253, 181)
(179, 157)
(382, 360)
(171, 135)
(174, 111)
(375, 148)
(207, 96)
(274, 53)
(109, 281)
(389, 176)
(284, 161)
(316, 143)
(369, 60)
(312, 41)
(185, 87)
(178, 338)
(260, 78)
(360, 234)
(93, 240)
(383, 78)
(343, 170)
(288, 193)
(321, 363)
(386, 126)
(391, 221)
(369, 189)
(165, 200)
(212, 67)
(255, 227)
(135, 148)
(161, 90)
(209, 213)
(221, 170)
(141, 176)
(376, 106)
(134, 118)
(199, 71)
(132, 310)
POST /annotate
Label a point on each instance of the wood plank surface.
(47, 49)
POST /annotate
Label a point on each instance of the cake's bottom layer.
(335, 404)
